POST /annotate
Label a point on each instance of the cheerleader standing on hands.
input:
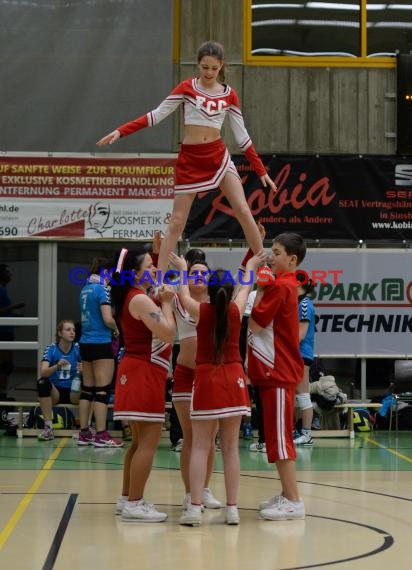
(204, 162)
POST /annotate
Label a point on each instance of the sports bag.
(63, 418)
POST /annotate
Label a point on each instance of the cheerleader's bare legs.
(183, 413)
(233, 190)
(181, 209)
(203, 433)
(139, 458)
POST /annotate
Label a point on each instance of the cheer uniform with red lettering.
(275, 364)
(219, 390)
(202, 167)
(183, 376)
(142, 372)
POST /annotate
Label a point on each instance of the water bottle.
(76, 383)
(247, 431)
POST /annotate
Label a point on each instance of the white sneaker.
(208, 500)
(187, 500)
(284, 510)
(46, 435)
(270, 502)
(258, 447)
(179, 446)
(192, 516)
(120, 503)
(304, 438)
(140, 511)
(232, 515)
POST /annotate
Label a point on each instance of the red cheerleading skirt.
(182, 383)
(219, 392)
(202, 167)
(140, 391)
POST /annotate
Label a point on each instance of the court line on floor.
(388, 542)
(61, 531)
(26, 500)
(389, 450)
(327, 485)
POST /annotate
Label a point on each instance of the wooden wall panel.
(298, 119)
(318, 109)
(266, 107)
(217, 20)
(296, 109)
(343, 114)
(362, 116)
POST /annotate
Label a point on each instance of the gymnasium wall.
(72, 71)
(295, 109)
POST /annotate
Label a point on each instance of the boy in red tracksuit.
(276, 366)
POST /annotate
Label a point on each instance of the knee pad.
(44, 387)
(303, 401)
(102, 394)
(87, 393)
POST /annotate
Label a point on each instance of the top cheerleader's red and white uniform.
(202, 167)
(141, 375)
(183, 376)
(219, 390)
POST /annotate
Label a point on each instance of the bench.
(350, 431)
(21, 430)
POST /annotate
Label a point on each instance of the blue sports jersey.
(92, 296)
(62, 378)
(307, 313)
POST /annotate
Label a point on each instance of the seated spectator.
(60, 368)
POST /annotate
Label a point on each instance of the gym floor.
(57, 509)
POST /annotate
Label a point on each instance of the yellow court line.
(26, 500)
(396, 453)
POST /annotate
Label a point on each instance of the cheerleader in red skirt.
(148, 329)
(220, 396)
(204, 162)
(183, 378)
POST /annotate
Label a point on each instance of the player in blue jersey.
(98, 326)
(60, 365)
(304, 406)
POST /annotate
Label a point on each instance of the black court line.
(388, 540)
(35, 494)
(58, 460)
(61, 530)
(329, 485)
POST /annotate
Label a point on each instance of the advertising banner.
(85, 197)
(363, 301)
(320, 197)
(363, 298)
